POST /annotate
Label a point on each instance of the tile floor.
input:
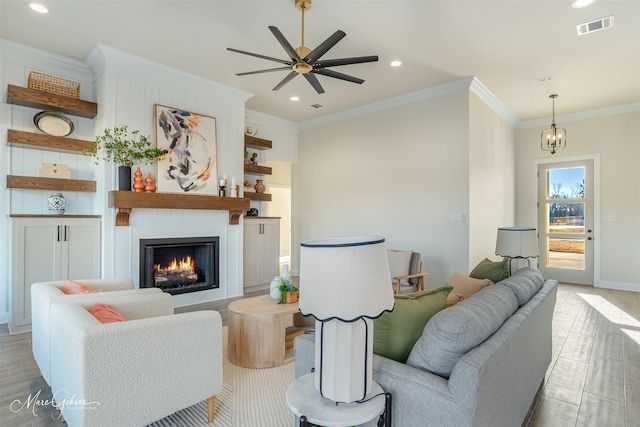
(593, 380)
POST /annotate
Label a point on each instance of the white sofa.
(135, 372)
(44, 294)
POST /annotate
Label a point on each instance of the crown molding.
(421, 95)
(38, 58)
(485, 95)
(112, 55)
(584, 115)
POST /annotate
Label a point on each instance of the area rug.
(249, 398)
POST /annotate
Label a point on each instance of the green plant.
(124, 148)
(285, 286)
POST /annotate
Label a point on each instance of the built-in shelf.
(126, 201)
(256, 169)
(257, 143)
(34, 98)
(260, 197)
(56, 184)
(50, 143)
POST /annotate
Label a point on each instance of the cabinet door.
(252, 253)
(270, 249)
(36, 258)
(81, 249)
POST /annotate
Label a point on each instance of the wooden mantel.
(126, 201)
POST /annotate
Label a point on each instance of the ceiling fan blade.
(285, 44)
(286, 80)
(269, 58)
(337, 75)
(345, 61)
(264, 71)
(324, 47)
(313, 80)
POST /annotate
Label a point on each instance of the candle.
(222, 183)
(233, 182)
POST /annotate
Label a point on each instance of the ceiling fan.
(306, 61)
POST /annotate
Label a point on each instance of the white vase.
(274, 292)
(56, 203)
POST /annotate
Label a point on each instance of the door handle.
(58, 234)
(65, 233)
(589, 238)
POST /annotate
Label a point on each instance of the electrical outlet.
(457, 217)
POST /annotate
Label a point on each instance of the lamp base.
(344, 353)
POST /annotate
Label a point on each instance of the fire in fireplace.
(180, 265)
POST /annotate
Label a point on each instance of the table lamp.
(344, 285)
(517, 243)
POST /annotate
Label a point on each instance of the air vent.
(593, 26)
(317, 105)
(543, 79)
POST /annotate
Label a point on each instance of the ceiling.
(505, 44)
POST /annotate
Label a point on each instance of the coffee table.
(257, 332)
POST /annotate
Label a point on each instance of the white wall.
(16, 61)
(397, 173)
(127, 87)
(614, 135)
(491, 184)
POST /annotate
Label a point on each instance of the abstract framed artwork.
(189, 140)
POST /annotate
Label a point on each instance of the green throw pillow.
(395, 332)
(492, 270)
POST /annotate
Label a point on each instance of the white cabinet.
(46, 249)
(261, 251)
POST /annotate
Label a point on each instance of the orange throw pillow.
(72, 287)
(106, 313)
(467, 286)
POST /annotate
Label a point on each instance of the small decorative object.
(252, 212)
(53, 123)
(248, 186)
(274, 288)
(254, 159)
(246, 157)
(54, 170)
(52, 84)
(221, 191)
(137, 181)
(149, 187)
(56, 203)
(124, 148)
(288, 292)
(259, 187)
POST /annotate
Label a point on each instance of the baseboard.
(620, 286)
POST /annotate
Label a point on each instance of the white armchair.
(43, 294)
(135, 372)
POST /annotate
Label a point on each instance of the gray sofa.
(489, 353)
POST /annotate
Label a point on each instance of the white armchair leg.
(211, 403)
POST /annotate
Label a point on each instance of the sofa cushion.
(395, 332)
(106, 313)
(466, 285)
(72, 287)
(399, 264)
(524, 283)
(451, 333)
(492, 270)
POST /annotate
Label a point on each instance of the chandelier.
(553, 138)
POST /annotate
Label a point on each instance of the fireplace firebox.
(180, 265)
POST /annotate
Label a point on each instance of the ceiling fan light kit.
(306, 61)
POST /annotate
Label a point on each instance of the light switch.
(609, 218)
(457, 217)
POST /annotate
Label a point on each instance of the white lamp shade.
(345, 278)
(517, 242)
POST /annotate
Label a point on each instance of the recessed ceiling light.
(294, 98)
(579, 4)
(38, 8)
(396, 63)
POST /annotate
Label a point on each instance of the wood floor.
(593, 380)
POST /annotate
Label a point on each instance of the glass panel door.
(565, 204)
